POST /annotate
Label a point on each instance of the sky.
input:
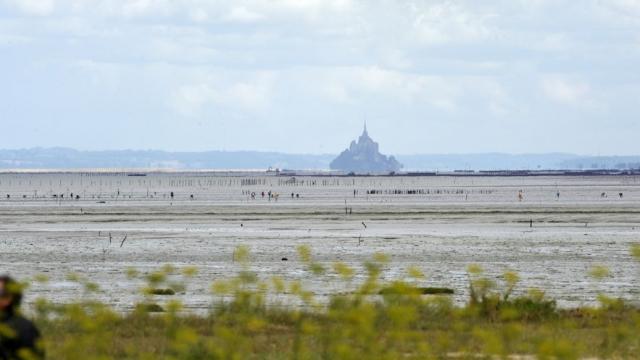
(302, 76)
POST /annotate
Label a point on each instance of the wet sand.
(446, 224)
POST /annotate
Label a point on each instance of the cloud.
(624, 7)
(242, 14)
(254, 93)
(314, 5)
(380, 86)
(363, 84)
(446, 22)
(32, 7)
(566, 91)
(304, 62)
(133, 8)
(10, 39)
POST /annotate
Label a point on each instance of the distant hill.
(499, 161)
(64, 158)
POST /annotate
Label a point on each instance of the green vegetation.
(376, 321)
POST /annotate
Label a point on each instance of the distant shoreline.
(321, 173)
(63, 159)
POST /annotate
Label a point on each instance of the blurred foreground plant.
(374, 320)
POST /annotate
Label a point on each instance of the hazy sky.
(302, 75)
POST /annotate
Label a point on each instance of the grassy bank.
(362, 332)
(376, 321)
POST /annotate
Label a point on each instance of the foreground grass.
(377, 321)
(601, 334)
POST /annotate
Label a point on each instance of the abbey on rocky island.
(364, 156)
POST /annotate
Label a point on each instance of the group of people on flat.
(603, 195)
(270, 195)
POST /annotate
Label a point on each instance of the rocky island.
(364, 156)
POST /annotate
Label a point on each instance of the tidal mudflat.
(552, 236)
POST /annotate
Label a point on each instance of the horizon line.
(316, 154)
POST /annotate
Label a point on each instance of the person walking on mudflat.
(19, 338)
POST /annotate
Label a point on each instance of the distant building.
(364, 157)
